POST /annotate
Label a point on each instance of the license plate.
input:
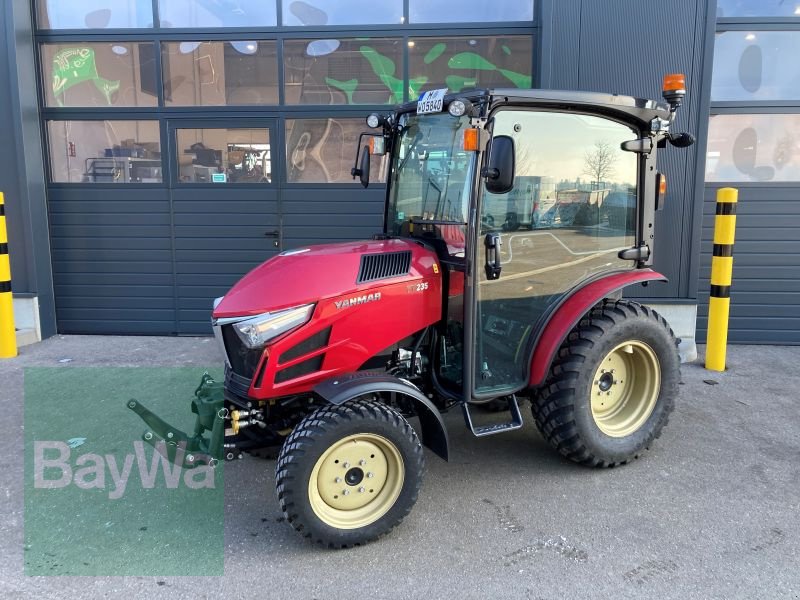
(431, 102)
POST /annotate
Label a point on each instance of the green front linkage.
(177, 446)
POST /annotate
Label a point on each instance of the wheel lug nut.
(370, 475)
(362, 462)
(345, 492)
(361, 490)
(338, 480)
(347, 465)
(616, 382)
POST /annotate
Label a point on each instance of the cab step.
(484, 430)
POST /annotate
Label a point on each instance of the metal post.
(8, 334)
(721, 272)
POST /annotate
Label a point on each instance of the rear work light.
(661, 190)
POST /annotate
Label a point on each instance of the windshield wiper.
(411, 147)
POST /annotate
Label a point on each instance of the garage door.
(765, 295)
(149, 259)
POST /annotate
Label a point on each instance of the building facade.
(156, 150)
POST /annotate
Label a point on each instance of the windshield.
(431, 180)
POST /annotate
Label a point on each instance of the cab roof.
(628, 108)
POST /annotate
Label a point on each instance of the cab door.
(555, 229)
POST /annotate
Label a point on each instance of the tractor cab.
(514, 219)
(526, 196)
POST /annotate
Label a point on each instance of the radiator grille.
(384, 265)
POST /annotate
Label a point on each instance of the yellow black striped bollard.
(8, 335)
(721, 273)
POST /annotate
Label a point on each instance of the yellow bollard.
(719, 301)
(8, 335)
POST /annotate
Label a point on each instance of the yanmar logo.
(358, 300)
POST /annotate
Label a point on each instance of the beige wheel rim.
(356, 481)
(625, 389)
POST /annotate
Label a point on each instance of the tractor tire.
(612, 385)
(348, 474)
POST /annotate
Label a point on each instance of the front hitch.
(178, 447)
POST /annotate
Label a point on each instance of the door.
(571, 210)
(225, 209)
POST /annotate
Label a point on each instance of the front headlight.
(257, 331)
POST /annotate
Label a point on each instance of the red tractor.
(332, 351)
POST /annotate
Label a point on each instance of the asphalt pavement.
(711, 511)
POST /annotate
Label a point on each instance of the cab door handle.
(492, 243)
(274, 233)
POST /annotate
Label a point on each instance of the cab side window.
(570, 212)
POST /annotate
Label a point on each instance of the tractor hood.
(308, 275)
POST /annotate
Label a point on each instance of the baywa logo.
(55, 467)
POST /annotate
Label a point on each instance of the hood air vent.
(384, 265)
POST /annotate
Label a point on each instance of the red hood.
(307, 275)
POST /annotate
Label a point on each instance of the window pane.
(94, 14)
(757, 8)
(224, 156)
(753, 148)
(220, 73)
(756, 65)
(362, 71)
(470, 61)
(217, 13)
(324, 150)
(570, 212)
(469, 11)
(105, 151)
(341, 12)
(103, 74)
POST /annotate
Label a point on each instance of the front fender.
(338, 390)
(570, 312)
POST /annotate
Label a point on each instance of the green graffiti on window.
(72, 66)
(386, 71)
(434, 53)
(475, 62)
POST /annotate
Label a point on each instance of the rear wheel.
(348, 474)
(612, 386)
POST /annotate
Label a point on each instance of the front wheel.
(612, 386)
(348, 474)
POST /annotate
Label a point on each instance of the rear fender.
(572, 310)
(339, 390)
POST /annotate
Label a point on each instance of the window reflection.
(469, 61)
(568, 215)
(104, 151)
(756, 65)
(217, 13)
(470, 11)
(749, 147)
(224, 155)
(220, 73)
(94, 14)
(343, 71)
(757, 8)
(102, 74)
(323, 151)
(342, 12)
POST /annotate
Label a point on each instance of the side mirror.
(363, 176)
(362, 172)
(499, 172)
